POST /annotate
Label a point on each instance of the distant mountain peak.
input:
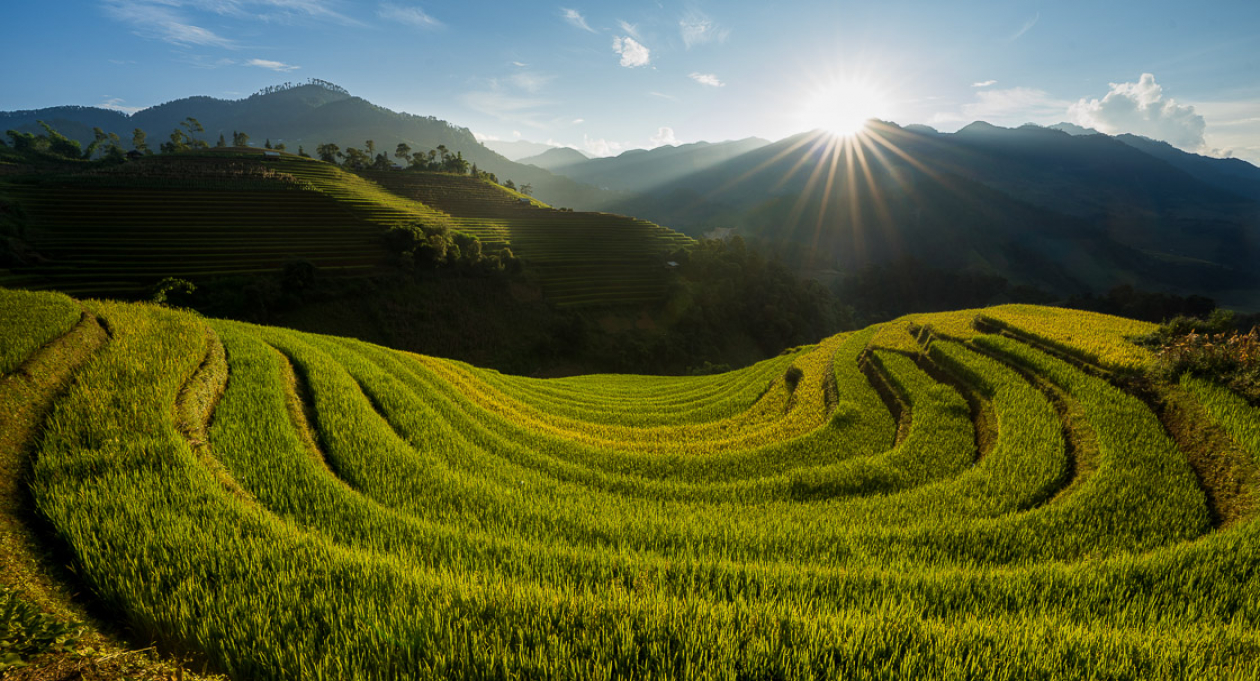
(1073, 129)
(980, 127)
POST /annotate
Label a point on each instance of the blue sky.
(605, 77)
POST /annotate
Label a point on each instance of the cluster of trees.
(108, 145)
(368, 158)
(272, 89)
(426, 247)
(724, 288)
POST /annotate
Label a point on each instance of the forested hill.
(303, 115)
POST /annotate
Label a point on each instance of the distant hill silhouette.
(556, 158)
(642, 170)
(1035, 205)
(517, 150)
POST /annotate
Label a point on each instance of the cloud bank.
(1140, 108)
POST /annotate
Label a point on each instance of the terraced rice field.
(580, 258)
(960, 505)
(118, 231)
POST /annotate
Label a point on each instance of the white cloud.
(575, 17)
(630, 29)
(662, 95)
(273, 65)
(707, 79)
(1140, 108)
(520, 64)
(632, 53)
(601, 147)
(698, 29)
(411, 16)
(984, 83)
(664, 136)
(578, 121)
(116, 104)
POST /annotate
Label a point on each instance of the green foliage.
(25, 632)
(139, 141)
(162, 291)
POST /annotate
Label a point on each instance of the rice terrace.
(827, 340)
(952, 495)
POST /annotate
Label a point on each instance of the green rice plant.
(31, 319)
(1239, 418)
(1144, 492)
(1094, 337)
(440, 524)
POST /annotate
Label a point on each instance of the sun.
(843, 106)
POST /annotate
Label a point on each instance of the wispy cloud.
(529, 81)
(575, 17)
(1028, 103)
(984, 83)
(630, 29)
(632, 53)
(1012, 106)
(116, 104)
(698, 29)
(662, 95)
(273, 65)
(506, 106)
(409, 15)
(1025, 28)
(162, 22)
(184, 22)
(707, 79)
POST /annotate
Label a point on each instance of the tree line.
(186, 137)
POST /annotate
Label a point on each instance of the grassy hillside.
(581, 259)
(117, 230)
(928, 498)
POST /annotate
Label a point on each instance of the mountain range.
(1071, 212)
(1062, 208)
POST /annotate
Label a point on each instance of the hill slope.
(282, 503)
(305, 115)
(117, 230)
